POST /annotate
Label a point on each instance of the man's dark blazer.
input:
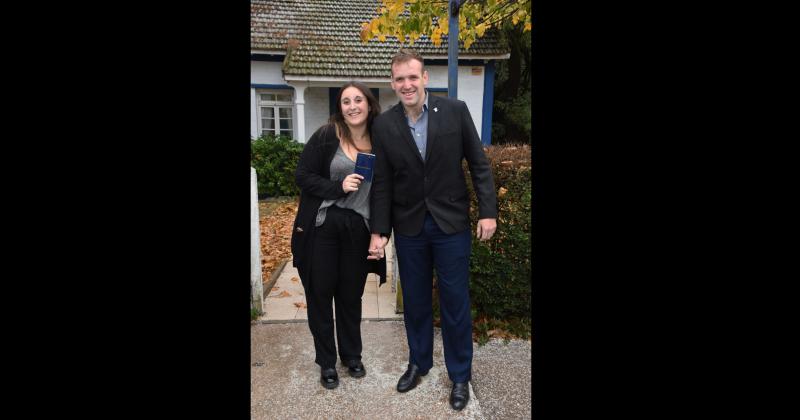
(404, 185)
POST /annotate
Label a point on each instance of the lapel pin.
(435, 109)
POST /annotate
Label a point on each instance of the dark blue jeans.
(449, 255)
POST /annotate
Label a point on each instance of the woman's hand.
(376, 245)
(351, 183)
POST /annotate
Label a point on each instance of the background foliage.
(275, 160)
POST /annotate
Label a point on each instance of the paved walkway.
(286, 302)
(284, 379)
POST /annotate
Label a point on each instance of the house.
(302, 51)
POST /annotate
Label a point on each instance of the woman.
(330, 239)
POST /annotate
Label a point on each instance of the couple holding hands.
(418, 191)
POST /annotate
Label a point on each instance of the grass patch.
(268, 205)
(254, 314)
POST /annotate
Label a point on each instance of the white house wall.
(266, 72)
(317, 109)
(470, 88)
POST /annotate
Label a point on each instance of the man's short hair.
(405, 55)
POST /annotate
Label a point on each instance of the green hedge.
(275, 160)
(500, 269)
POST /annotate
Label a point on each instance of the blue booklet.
(364, 164)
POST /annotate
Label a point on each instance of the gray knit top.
(358, 201)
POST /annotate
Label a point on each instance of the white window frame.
(276, 106)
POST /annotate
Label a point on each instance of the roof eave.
(469, 57)
(268, 52)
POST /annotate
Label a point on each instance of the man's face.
(409, 82)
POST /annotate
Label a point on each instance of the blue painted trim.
(488, 103)
(377, 94)
(332, 92)
(267, 57)
(269, 86)
(461, 62)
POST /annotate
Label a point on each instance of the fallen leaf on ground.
(284, 294)
(276, 235)
(300, 304)
(295, 279)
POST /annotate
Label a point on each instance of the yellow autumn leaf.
(382, 38)
(436, 37)
(527, 26)
(468, 42)
(480, 29)
(445, 25)
(514, 19)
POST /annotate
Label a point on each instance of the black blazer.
(313, 179)
(404, 186)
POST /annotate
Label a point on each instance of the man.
(419, 190)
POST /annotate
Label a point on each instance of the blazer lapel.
(433, 123)
(401, 122)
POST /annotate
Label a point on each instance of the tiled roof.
(326, 41)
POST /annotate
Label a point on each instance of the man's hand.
(486, 228)
(376, 245)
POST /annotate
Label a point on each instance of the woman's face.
(354, 106)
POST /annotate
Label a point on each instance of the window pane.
(284, 97)
(268, 124)
(286, 124)
(287, 133)
(285, 112)
(267, 112)
(267, 96)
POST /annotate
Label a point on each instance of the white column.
(256, 284)
(253, 114)
(299, 110)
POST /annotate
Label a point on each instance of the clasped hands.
(377, 243)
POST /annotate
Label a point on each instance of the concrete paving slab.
(279, 307)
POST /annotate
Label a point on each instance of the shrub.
(500, 269)
(275, 160)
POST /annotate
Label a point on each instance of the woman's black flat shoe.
(329, 379)
(356, 369)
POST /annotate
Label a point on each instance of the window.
(442, 93)
(275, 112)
